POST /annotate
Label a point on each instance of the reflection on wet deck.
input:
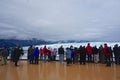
(57, 71)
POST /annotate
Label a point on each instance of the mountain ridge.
(34, 41)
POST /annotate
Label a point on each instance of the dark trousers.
(76, 59)
(49, 57)
(28, 57)
(68, 61)
(117, 60)
(54, 57)
(108, 62)
(36, 59)
(89, 58)
(31, 61)
(82, 59)
(16, 61)
(41, 56)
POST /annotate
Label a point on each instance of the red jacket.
(49, 52)
(89, 50)
(45, 50)
(41, 51)
(106, 51)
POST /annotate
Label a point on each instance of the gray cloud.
(60, 19)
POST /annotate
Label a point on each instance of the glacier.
(25, 48)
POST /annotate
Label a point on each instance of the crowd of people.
(72, 55)
(14, 54)
(45, 54)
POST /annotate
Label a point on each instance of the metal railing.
(24, 57)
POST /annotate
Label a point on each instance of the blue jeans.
(89, 58)
(61, 57)
(45, 56)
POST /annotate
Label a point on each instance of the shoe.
(108, 65)
(83, 63)
(16, 65)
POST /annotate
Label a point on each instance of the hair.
(88, 43)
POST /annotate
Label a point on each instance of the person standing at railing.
(49, 54)
(101, 55)
(111, 54)
(72, 54)
(68, 56)
(36, 55)
(119, 56)
(11, 53)
(61, 54)
(107, 55)
(0, 55)
(30, 52)
(41, 53)
(54, 53)
(95, 54)
(89, 52)
(82, 54)
(17, 53)
(116, 51)
(5, 54)
(31, 56)
(76, 54)
(45, 53)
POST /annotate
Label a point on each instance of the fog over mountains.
(16, 42)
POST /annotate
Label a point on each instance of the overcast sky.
(60, 19)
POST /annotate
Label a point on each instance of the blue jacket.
(72, 53)
(36, 52)
(68, 53)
